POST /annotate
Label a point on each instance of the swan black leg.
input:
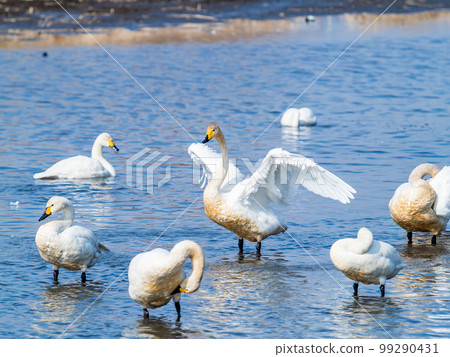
(355, 289)
(146, 314)
(409, 235)
(258, 249)
(382, 290)
(178, 308)
(55, 276)
(241, 245)
(83, 276)
(433, 240)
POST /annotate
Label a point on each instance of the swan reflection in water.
(158, 328)
(62, 303)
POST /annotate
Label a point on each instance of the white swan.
(298, 117)
(423, 205)
(366, 260)
(243, 206)
(66, 246)
(157, 276)
(83, 167)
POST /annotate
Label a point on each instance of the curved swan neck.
(364, 241)
(68, 214)
(221, 173)
(97, 149)
(423, 170)
(97, 153)
(189, 249)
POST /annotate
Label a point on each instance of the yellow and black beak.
(48, 212)
(112, 145)
(178, 290)
(208, 137)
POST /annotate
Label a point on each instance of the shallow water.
(382, 109)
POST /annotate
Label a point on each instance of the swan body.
(156, 277)
(83, 167)
(243, 205)
(423, 205)
(366, 260)
(66, 246)
(298, 117)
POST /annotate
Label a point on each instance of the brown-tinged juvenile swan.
(66, 246)
(423, 205)
(83, 167)
(366, 260)
(156, 277)
(243, 206)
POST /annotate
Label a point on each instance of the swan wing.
(210, 160)
(441, 185)
(74, 167)
(280, 175)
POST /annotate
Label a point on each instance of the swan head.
(213, 131)
(106, 140)
(54, 205)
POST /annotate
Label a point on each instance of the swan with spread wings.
(244, 205)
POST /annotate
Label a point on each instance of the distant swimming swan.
(366, 260)
(423, 205)
(298, 117)
(156, 277)
(243, 206)
(83, 167)
(66, 246)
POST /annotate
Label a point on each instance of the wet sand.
(192, 28)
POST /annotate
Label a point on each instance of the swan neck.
(221, 173)
(191, 250)
(68, 214)
(97, 149)
(423, 170)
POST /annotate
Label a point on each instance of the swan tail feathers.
(102, 248)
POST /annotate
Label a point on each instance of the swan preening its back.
(366, 260)
(83, 167)
(156, 277)
(66, 246)
(243, 205)
(294, 117)
(423, 205)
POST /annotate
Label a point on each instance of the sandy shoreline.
(43, 24)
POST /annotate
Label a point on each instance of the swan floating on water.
(156, 277)
(83, 167)
(423, 205)
(243, 206)
(366, 260)
(66, 246)
(298, 117)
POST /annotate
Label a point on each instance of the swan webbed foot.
(382, 290)
(409, 235)
(433, 240)
(258, 249)
(146, 314)
(83, 276)
(241, 245)
(178, 308)
(55, 276)
(355, 289)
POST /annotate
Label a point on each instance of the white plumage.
(366, 260)
(298, 117)
(156, 277)
(83, 167)
(243, 205)
(66, 246)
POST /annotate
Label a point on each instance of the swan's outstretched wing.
(279, 176)
(210, 160)
(441, 185)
